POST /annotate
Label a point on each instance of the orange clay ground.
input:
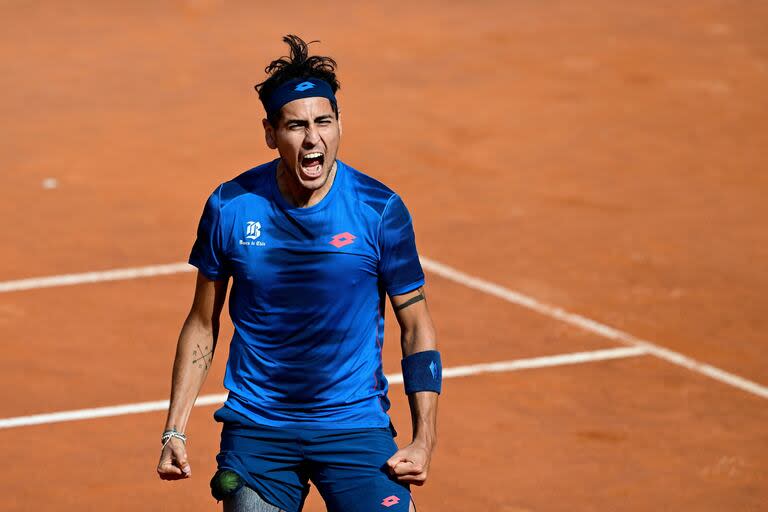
(603, 157)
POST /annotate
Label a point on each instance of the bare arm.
(194, 355)
(417, 334)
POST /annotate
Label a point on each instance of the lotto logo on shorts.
(390, 500)
(342, 239)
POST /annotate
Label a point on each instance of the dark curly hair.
(298, 65)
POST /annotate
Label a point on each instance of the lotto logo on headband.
(298, 88)
(303, 86)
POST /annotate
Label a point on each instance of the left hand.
(410, 464)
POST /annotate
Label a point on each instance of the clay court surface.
(605, 158)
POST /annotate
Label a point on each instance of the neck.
(297, 195)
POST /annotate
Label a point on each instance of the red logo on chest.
(342, 239)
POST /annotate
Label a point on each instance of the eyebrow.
(303, 122)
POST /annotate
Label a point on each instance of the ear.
(269, 134)
(339, 123)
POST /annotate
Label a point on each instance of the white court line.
(95, 277)
(448, 273)
(592, 326)
(448, 373)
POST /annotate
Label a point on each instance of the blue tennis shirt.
(307, 299)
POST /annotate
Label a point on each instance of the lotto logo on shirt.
(342, 239)
(252, 232)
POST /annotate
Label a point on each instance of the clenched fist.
(173, 463)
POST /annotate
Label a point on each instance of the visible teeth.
(313, 155)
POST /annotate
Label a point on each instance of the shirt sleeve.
(207, 252)
(399, 267)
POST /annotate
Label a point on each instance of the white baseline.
(448, 373)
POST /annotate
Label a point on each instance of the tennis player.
(312, 247)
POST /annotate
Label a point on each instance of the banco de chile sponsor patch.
(252, 232)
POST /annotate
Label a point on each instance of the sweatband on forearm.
(422, 371)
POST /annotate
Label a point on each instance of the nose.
(311, 136)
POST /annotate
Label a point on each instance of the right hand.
(173, 463)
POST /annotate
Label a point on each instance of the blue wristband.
(422, 371)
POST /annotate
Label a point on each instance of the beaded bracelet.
(170, 434)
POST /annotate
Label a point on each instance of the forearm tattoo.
(411, 301)
(202, 357)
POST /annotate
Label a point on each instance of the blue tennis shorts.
(348, 467)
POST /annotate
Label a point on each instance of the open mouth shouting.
(312, 164)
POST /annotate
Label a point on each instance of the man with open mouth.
(313, 247)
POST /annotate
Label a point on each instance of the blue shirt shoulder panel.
(209, 250)
(369, 191)
(399, 268)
